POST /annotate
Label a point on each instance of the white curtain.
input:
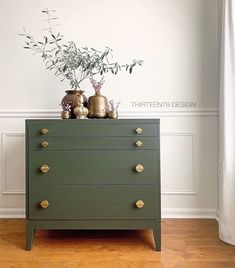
(227, 125)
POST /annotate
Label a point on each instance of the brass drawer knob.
(44, 144)
(139, 168)
(139, 130)
(139, 203)
(44, 131)
(44, 204)
(139, 143)
(44, 168)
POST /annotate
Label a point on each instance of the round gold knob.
(139, 130)
(44, 144)
(139, 168)
(44, 168)
(44, 131)
(139, 203)
(139, 143)
(44, 204)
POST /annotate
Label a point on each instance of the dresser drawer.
(93, 167)
(93, 202)
(97, 143)
(88, 129)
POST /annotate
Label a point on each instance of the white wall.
(178, 41)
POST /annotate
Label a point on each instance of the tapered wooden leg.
(157, 235)
(29, 236)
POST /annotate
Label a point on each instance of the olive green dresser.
(93, 174)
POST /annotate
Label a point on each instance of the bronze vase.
(98, 106)
(73, 98)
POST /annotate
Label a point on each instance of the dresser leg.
(157, 235)
(29, 236)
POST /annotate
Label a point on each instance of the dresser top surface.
(92, 121)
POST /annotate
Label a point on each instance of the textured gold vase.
(82, 98)
(74, 98)
(81, 112)
(113, 114)
(98, 106)
(65, 114)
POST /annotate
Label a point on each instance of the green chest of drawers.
(93, 174)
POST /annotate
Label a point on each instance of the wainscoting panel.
(178, 156)
(13, 163)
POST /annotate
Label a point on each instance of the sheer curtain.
(227, 125)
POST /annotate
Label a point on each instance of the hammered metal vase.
(82, 98)
(65, 114)
(98, 106)
(113, 114)
(81, 112)
(74, 98)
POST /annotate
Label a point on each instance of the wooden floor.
(185, 243)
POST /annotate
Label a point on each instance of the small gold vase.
(98, 106)
(80, 111)
(65, 114)
(113, 114)
(82, 98)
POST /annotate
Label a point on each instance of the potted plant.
(71, 62)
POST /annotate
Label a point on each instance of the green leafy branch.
(70, 61)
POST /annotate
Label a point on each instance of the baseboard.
(190, 213)
(217, 215)
(166, 213)
(12, 213)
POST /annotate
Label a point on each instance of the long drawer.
(88, 129)
(93, 202)
(93, 167)
(89, 143)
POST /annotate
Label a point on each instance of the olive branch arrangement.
(70, 61)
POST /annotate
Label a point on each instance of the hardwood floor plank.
(185, 243)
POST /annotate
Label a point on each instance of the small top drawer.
(86, 128)
(88, 143)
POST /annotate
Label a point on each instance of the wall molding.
(193, 190)
(46, 113)
(193, 213)
(171, 213)
(170, 113)
(4, 135)
(12, 213)
(217, 215)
